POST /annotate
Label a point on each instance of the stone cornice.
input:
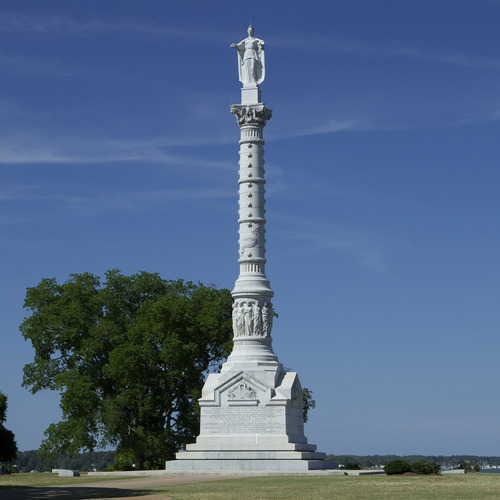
(256, 114)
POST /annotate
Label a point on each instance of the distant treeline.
(367, 461)
(28, 461)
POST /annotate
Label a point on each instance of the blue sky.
(118, 150)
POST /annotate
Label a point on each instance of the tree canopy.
(309, 403)
(128, 356)
(8, 446)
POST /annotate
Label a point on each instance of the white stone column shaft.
(252, 307)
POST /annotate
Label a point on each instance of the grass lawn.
(448, 487)
(452, 487)
(45, 479)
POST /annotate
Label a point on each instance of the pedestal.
(251, 420)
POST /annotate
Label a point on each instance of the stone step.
(250, 455)
(216, 444)
(250, 465)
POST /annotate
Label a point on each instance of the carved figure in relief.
(250, 319)
(267, 318)
(248, 315)
(249, 238)
(271, 317)
(242, 391)
(257, 320)
(235, 317)
(238, 320)
(251, 60)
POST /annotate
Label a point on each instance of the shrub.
(397, 466)
(124, 460)
(425, 468)
(400, 466)
(352, 466)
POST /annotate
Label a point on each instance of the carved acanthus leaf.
(251, 115)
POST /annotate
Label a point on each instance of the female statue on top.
(251, 61)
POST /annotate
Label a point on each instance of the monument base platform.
(254, 457)
(251, 420)
(246, 464)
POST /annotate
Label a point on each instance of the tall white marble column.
(252, 308)
(252, 411)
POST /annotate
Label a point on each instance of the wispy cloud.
(492, 115)
(20, 65)
(447, 56)
(6, 220)
(137, 201)
(179, 151)
(360, 246)
(327, 127)
(89, 204)
(67, 26)
(20, 192)
(443, 115)
(29, 149)
(324, 44)
(367, 247)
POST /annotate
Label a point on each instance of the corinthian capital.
(251, 114)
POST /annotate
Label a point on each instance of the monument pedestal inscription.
(252, 411)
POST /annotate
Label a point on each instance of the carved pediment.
(234, 390)
(241, 391)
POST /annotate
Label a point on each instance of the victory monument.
(252, 411)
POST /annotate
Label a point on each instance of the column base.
(251, 420)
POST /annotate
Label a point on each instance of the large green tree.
(8, 446)
(128, 356)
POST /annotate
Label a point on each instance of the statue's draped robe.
(251, 61)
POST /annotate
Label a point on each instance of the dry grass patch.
(449, 487)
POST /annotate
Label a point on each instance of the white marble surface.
(252, 411)
(251, 59)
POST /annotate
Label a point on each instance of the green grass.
(448, 487)
(47, 479)
(452, 487)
